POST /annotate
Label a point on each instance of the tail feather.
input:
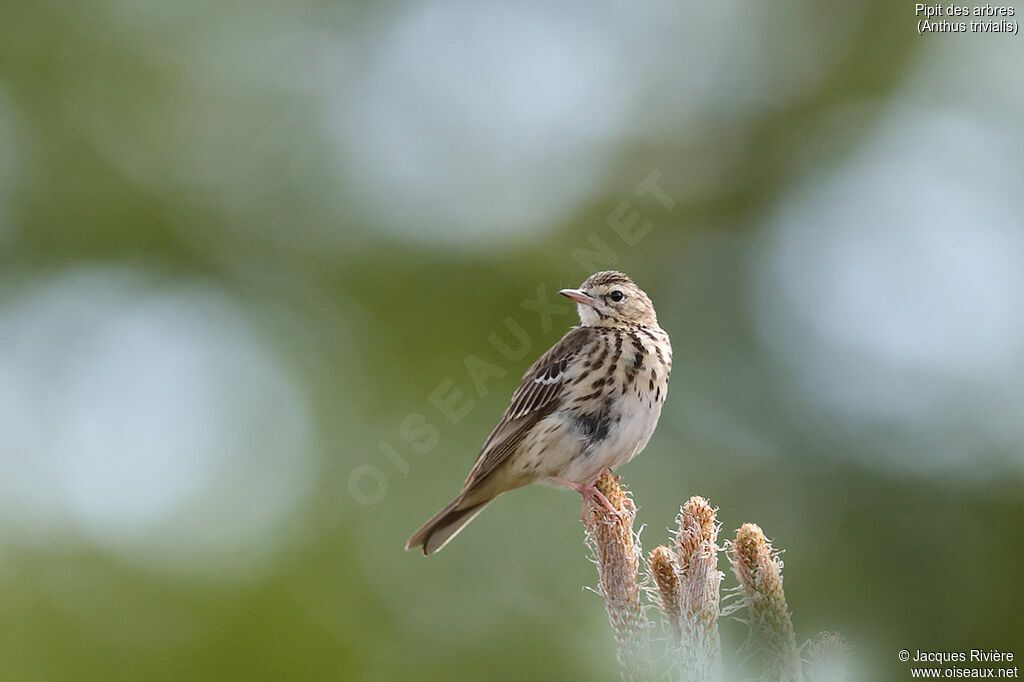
(443, 526)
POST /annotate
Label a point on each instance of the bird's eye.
(616, 296)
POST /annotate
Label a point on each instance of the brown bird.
(590, 403)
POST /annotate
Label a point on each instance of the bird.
(587, 405)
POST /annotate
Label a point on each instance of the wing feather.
(537, 397)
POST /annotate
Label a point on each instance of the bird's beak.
(578, 296)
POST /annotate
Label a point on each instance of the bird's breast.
(616, 405)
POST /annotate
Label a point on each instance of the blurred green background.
(242, 244)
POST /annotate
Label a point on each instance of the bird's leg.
(589, 491)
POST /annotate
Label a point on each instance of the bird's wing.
(537, 397)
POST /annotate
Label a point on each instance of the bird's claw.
(603, 500)
(591, 493)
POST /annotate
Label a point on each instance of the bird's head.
(610, 299)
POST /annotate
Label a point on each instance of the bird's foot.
(590, 492)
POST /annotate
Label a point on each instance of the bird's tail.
(444, 525)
